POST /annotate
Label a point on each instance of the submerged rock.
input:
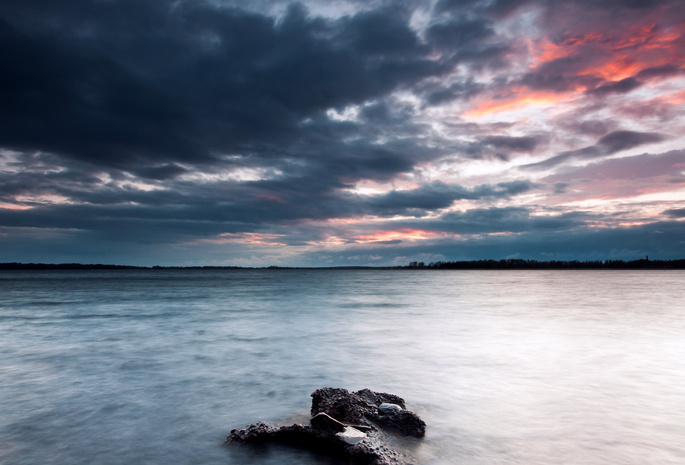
(349, 425)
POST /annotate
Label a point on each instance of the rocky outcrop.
(365, 407)
(351, 426)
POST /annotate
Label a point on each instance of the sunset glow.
(519, 99)
(401, 234)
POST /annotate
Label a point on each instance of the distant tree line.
(82, 266)
(65, 266)
(520, 264)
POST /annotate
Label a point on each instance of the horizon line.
(517, 263)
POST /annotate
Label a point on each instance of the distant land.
(508, 264)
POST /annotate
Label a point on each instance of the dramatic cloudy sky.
(350, 132)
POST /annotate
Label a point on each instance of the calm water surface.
(505, 367)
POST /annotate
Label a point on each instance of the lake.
(505, 367)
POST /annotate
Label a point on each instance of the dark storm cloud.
(158, 89)
(497, 147)
(622, 140)
(506, 220)
(191, 212)
(618, 87)
(294, 191)
(97, 94)
(172, 217)
(141, 124)
(661, 240)
(459, 6)
(609, 144)
(494, 8)
(462, 39)
(659, 71)
(325, 162)
(561, 75)
(386, 113)
(515, 144)
(453, 228)
(675, 213)
(144, 85)
(37, 174)
(380, 32)
(631, 83)
(421, 201)
(440, 94)
(457, 33)
(160, 172)
(119, 223)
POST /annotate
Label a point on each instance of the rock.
(351, 407)
(351, 435)
(346, 425)
(326, 424)
(389, 409)
(362, 407)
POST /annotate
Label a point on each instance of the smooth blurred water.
(505, 367)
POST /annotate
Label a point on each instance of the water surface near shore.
(505, 367)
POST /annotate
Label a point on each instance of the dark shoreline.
(510, 264)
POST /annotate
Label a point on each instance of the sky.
(341, 133)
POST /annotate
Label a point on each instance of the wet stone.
(352, 426)
(351, 435)
(326, 424)
(389, 409)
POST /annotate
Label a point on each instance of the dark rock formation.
(362, 407)
(350, 426)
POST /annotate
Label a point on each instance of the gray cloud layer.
(609, 144)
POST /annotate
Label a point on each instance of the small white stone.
(351, 435)
(389, 409)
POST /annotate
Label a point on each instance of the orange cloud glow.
(251, 239)
(673, 99)
(400, 234)
(649, 37)
(9, 206)
(621, 68)
(544, 50)
(520, 98)
(607, 57)
(615, 58)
